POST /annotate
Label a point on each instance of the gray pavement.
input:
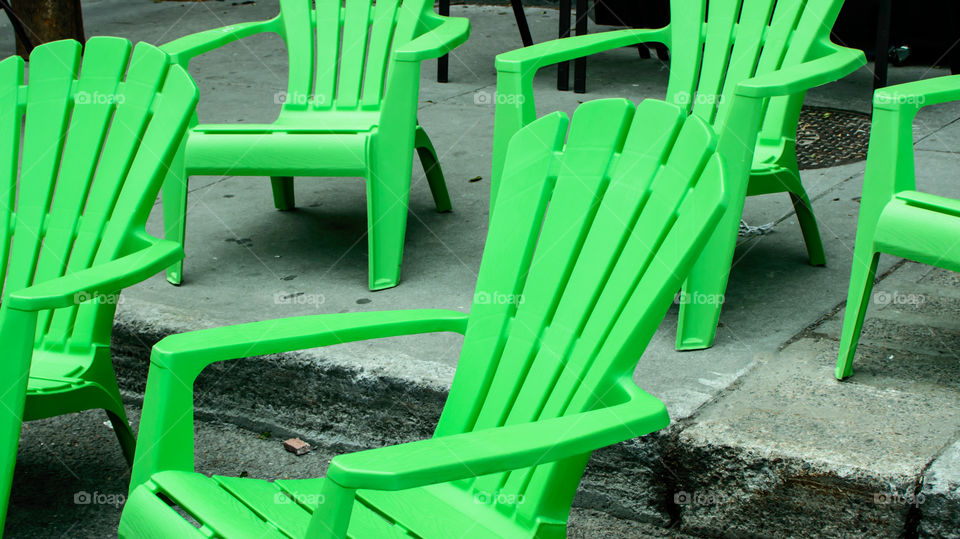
(764, 441)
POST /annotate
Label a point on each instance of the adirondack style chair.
(743, 66)
(589, 244)
(895, 218)
(82, 158)
(350, 110)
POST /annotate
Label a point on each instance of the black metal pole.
(443, 63)
(563, 68)
(17, 25)
(580, 64)
(883, 44)
(525, 37)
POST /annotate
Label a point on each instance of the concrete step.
(786, 447)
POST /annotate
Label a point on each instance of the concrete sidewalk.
(764, 440)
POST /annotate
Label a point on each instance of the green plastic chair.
(83, 157)
(350, 110)
(744, 66)
(589, 244)
(895, 218)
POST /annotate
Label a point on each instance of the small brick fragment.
(296, 446)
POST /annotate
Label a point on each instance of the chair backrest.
(339, 51)
(586, 250)
(739, 39)
(84, 148)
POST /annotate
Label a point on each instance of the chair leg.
(16, 334)
(703, 292)
(431, 167)
(332, 517)
(388, 195)
(174, 197)
(121, 427)
(103, 392)
(862, 273)
(788, 180)
(809, 228)
(283, 197)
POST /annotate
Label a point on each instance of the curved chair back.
(82, 148)
(339, 52)
(589, 244)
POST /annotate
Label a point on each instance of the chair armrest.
(481, 452)
(514, 104)
(183, 50)
(919, 94)
(837, 63)
(891, 166)
(97, 281)
(165, 438)
(187, 354)
(448, 35)
(558, 50)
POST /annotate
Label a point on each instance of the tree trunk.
(48, 20)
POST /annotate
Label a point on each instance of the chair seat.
(910, 212)
(768, 174)
(52, 396)
(766, 155)
(61, 382)
(39, 385)
(291, 121)
(55, 369)
(245, 507)
(276, 153)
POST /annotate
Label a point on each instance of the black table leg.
(883, 44)
(563, 68)
(522, 25)
(662, 52)
(443, 63)
(580, 64)
(17, 25)
(954, 52)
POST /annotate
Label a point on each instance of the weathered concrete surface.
(788, 447)
(71, 479)
(941, 492)
(762, 455)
